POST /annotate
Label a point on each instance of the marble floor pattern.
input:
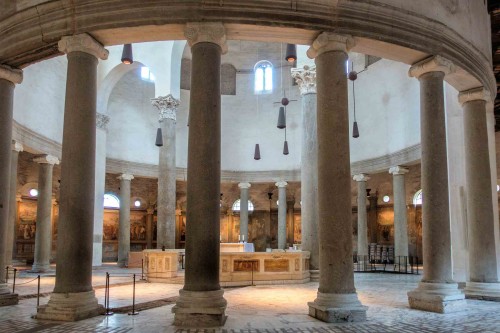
(263, 309)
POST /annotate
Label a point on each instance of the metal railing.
(398, 264)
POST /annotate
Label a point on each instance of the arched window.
(236, 206)
(263, 71)
(417, 198)
(111, 201)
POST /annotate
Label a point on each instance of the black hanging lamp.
(256, 154)
(127, 56)
(291, 53)
(281, 118)
(285, 148)
(159, 138)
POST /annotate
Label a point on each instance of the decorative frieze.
(167, 107)
(475, 94)
(13, 75)
(102, 121)
(83, 43)
(432, 64)
(209, 32)
(306, 79)
(328, 41)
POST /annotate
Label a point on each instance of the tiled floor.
(263, 309)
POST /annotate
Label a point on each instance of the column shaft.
(372, 218)
(100, 180)
(149, 228)
(362, 220)
(124, 224)
(244, 212)
(11, 232)
(281, 215)
(400, 214)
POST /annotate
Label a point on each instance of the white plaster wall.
(100, 179)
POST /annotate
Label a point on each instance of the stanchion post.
(133, 313)
(142, 270)
(106, 296)
(38, 292)
(6, 274)
(14, 281)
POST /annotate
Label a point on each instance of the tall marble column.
(306, 79)
(165, 234)
(361, 180)
(336, 300)
(400, 218)
(9, 77)
(100, 182)
(43, 235)
(281, 214)
(73, 297)
(483, 277)
(437, 292)
(201, 301)
(244, 210)
(11, 240)
(149, 228)
(124, 224)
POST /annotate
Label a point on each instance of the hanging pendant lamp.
(256, 154)
(159, 138)
(285, 148)
(355, 130)
(291, 52)
(127, 56)
(281, 118)
(353, 75)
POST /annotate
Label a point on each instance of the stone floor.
(258, 309)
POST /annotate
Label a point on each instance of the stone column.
(306, 79)
(483, 277)
(73, 297)
(437, 292)
(124, 224)
(361, 179)
(281, 214)
(149, 228)
(100, 180)
(11, 240)
(201, 302)
(336, 300)
(8, 78)
(165, 232)
(400, 218)
(244, 210)
(43, 235)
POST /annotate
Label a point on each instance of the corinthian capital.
(306, 79)
(210, 32)
(13, 75)
(83, 43)
(328, 41)
(432, 64)
(167, 107)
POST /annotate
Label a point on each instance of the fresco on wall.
(385, 217)
(110, 225)
(297, 229)
(137, 226)
(27, 220)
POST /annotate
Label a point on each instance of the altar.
(160, 266)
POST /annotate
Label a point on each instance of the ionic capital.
(432, 64)
(167, 107)
(306, 79)
(398, 170)
(281, 184)
(327, 42)
(83, 43)
(125, 176)
(17, 146)
(13, 75)
(102, 121)
(46, 159)
(476, 94)
(361, 177)
(244, 185)
(209, 32)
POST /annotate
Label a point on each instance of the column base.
(200, 309)
(314, 275)
(337, 308)
(437, 297)
(483, 291)
(70, 307)
(40, 268)
(6, 297)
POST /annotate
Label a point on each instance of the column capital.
(432, 64)
(281, 184)
(125, 176)
(102, 121)
(11, 74)
(167, 107)
(476, 94)
(83, 43)
(327, 42)
(150, 211)
(19, 198)
(306, 79)
(46, 159)
(209, 32)
(398, 170)
(361, 177)
(17, 146)
(244, 185)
